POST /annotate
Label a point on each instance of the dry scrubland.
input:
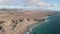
(18, 22)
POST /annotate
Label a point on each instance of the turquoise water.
(50, 27)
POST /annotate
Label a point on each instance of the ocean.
(52, 26)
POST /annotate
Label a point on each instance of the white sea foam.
(46, 20)
(46, 17)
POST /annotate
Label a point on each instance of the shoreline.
(39, 23)
(36, 24)
(30, 20)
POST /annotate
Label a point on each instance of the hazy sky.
(31, 4)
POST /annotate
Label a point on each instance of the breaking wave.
(31, 28)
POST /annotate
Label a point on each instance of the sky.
(31, 4)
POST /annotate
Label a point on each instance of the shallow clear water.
(50, 27)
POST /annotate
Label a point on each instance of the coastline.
(29, 22)
(31, 26)
(39, 23)
(36, 24)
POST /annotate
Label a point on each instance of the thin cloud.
(27, 3)
(38, 3)
(8, 2)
